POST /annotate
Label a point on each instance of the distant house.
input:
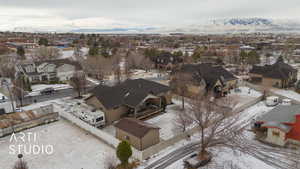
(134, 98)
(279, 75)
(205, 77)
(139, 134)
(50, 70)
(280, 125)
(167, 61)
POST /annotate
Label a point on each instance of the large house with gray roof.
(49, 70)
(279, 75)
(137, 98)
(280, 125)
(203, 78)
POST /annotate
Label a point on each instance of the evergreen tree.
(43, 41)
(253, 58)
(243, 56)
(21, 52)
(124, 152)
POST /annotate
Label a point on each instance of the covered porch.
(149, 106)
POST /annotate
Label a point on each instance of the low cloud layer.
(141, 13)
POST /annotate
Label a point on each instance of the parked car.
(18, 109)
(47, 91)
(286, 102)
(272, 101)
(194, 162)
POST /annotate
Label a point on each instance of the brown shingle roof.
(135, 127)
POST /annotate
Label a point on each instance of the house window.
(127, 138)
(275, 133)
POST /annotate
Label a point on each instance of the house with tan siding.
(279, 75)
(139, 134)
(203, 78)
(137, 98)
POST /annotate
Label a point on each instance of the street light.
(20, 156)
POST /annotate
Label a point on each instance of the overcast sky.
(131, 13)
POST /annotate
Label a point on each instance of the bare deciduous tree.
(182, 120)
(7, 65)
(116, 68)
(179, 84)
(46, 53)
(216, 121)
(78, 82)
(21, 164)
(98, 67)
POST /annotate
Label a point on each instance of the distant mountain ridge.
(248, 21)
(227, 25)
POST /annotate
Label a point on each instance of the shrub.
(124, 152)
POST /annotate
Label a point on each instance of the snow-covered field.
(73, 148)
(36, 89)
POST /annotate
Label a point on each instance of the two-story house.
(279, 75)
(203, 78)
(50, 70)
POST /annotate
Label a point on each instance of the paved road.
(174, 156)
(56, 95)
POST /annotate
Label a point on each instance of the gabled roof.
(279, 70)
(281, 114)
(59, 62)
(130, 92)
(135, 127)
(272, 124)
(208, 72)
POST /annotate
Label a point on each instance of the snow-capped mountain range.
(228, 25)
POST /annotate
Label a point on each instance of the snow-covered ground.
(95, 81)
(244, 96)
(166, 121)
(287, 93)
(73, 148)
(143, 74)
(70, 53)
(36, 89)
(2, 97)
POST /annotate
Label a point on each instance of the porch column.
(135, 112)
(160, 102)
